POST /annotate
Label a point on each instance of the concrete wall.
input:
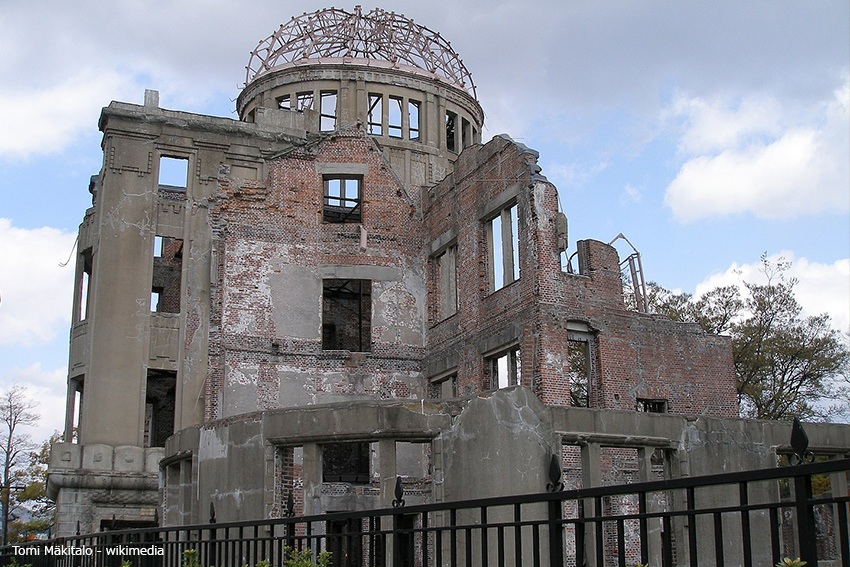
(495, 444)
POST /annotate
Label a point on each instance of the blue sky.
(708, 133)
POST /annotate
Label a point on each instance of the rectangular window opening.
(84, 290)
(283, 102)
(451, 127)
(173, 173)
(304, 101)
(447, 282)
(443, 388)
(327, 111)
(505, 369)
(347, 315)
(167, 275)
(413, 119)
(651, 406)
(346, 462)
(394, 117)
(503, 248)
(159, 406)
(465, 132)
(72, 423)
(375, 114)
(578, 353)
(156, 294)
(342, 199)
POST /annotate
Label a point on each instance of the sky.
(708, 133)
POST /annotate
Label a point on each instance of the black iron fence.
(753, 518)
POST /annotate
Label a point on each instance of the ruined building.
(346, 285)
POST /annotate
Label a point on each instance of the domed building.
(285, 312)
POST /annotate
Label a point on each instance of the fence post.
(398, 503)
(806, 533)
(556, 515)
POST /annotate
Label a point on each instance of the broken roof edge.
(522, 149)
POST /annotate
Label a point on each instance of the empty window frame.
(375, 114)
(173, 173)
(346, 462)
(451, 131)
(304, 101)
(347, 315)
(505, 368)
(342, 198)
(84, 264)
(652, 406)
(327, 111)
(503, 248)
(465, 133)
(283, 102)
(413, 107)
(159, 407)
(578, 353)
(446, 265)
(74, 407)
(443, 387)
(167, 274)
(394, 126)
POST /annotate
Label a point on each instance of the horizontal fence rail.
(751, 518)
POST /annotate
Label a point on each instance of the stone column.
(591, 476)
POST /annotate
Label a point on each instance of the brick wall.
(637, 356)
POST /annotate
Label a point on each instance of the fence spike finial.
(799, 441)
(399, 493)
(554, 484)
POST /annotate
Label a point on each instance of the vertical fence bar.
(621, 542)
(776, 556)
(556, 534)
(667, 542)
(843, 536)
(743, 501)
(718, 540)
(692, 526)
(453, 534)
(485, 555)
(643, 524)
(806, 534)
(518, 534)
(600, 528)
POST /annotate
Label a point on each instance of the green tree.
(786, 365)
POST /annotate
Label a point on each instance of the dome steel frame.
(334, 34)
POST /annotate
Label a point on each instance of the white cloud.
(745, 159)
(821, 288)
(41, 121)
(630, 194)
(35, 292)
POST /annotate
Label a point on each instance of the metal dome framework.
(378, 35)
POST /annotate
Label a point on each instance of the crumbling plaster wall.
(274, 250)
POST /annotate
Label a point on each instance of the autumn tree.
(39, 509)
(15, 447)
(786, 364)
